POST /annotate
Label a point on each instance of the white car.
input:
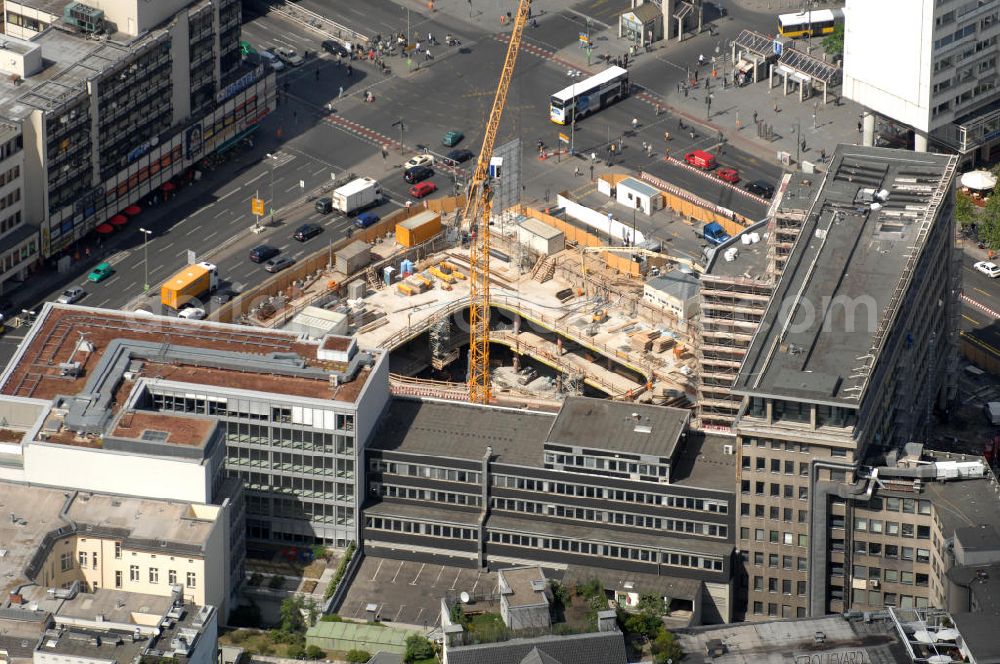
(192, 313)
(991, 270)
(419, 160)
(271, 59)
(289, 56)
(71, 295)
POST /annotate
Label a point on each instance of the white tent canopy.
(981, 180)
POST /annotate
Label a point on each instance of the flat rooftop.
(704, 462)
(750, 261)
(519, 581)
(165, 428)
(36, 512)
(968, 503)
(793, 641)
(618, 427)
(854, 246)
(463, 431)
(34, 371)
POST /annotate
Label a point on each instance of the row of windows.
(10, 199)
(892, 528)
(619, 518)
(295, 508)
(10, 174)
(451, 498)
(252, 410)
(419, 470)
(892, 551)
(153, 575)
(607, 463)
(785, 561)
(785, 585)
(773, 608)
(620, 495)
(299, 486)
(908, 578)
(875, 598)
(10, 222)
(760, 465)
(20, 255)
(285, 461)
(775, 513)
(419, 528)
(775, 490)
(607, 550)
(775, 537)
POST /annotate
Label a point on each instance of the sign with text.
(257, 206)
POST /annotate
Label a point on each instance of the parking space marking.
(397, 572)
(396, 619)
(416, 621)
(378, 568)
(478, 576)
(438, 577)
(414, 582)
(455, 582)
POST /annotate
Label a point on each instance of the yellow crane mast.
(477, 214)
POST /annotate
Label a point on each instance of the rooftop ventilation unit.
(87, 19)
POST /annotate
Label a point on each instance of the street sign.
(584, 38)
(257, 206)
(564, 138)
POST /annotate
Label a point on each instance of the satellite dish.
(464, 597)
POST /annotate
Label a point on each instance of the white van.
(192, 313)
(271, 59)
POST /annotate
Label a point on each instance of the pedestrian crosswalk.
(280, 158)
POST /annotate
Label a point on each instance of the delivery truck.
(192, 282)
(357, 195)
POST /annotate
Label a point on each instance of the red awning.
(168, 186)
(118, 220)
(105, 229)
(132, 210)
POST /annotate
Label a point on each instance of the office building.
(113, 99)
(855, 350)
(163, 407)
(937, 75)
(18, 238)
(736, 286)
(620, 492)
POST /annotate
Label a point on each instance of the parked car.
(419, 160)
(452, 138)
(335, 48)
(246, 49)
(263, 252)
(271, 59)
(222, 296)
(422, 189)
(100, 272)
(192, 313)
(278, 264)
(324, 205)
(417, 174)
(761, 188)
(459, 156)
(71, 295)
(307, 231)
(366, 219)
(728, 175)
(289, 56)
(991, 270)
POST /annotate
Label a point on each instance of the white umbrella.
(923, 636)
(947, 634)
(939, 659)
(980, 180)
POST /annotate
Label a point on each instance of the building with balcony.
(938, 77)
(855, 350)
(116, 97)
(615, 491)
(178, 409)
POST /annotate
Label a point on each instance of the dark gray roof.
(463, 431)
(386, 658)
(983, 582)
(857, 252)
(536, 656)
(618, 426)
(963, 503)
(979, 538)
(596, 648)
(979, 631)
(677, 284)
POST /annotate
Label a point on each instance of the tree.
(665, 647)
(833, 43)
(318, 551)
(457, 614)
(989, 227)
(296, 651)
(314, 652)
(965, 209)
(290, 615)
(358, 656)
(417, 648)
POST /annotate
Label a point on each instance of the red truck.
(700, 159)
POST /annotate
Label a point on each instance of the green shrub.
(314, 652)
(256, 579)
(358, 656)
(296, 652)
(417, 648)
(333, 617)
(341, 570)
(238, 636)
(276, 582)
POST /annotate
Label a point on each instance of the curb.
(981, 307)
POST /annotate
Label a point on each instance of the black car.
(334, 48)
(459, 156)
(418, 174)
(306, 231)
(263, 252)
(761, 188)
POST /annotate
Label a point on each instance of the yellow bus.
(809, 23)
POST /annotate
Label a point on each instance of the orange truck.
(192, 282)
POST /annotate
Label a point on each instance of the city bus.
(809, 24)
(589, 95)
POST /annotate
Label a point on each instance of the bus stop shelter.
(751, 51)
(805, 71)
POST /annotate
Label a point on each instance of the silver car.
(289, 56)
(71, 295)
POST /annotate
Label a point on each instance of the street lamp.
(708, 106)
(798, 142)
(402, 128)
(145, 258)
(271, 202)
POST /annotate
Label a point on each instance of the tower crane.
(476, 213)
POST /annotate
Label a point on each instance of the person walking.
(635, 123)
(701, 60)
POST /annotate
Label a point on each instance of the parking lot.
(409, 592)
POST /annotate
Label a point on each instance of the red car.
(422, 189)
(728, 175)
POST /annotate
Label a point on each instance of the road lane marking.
(294, 186)
(255, 179)
(103, 302)
(981, 291)
(192, 231)
(225, 196)
(219, 214)
(130, 286)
